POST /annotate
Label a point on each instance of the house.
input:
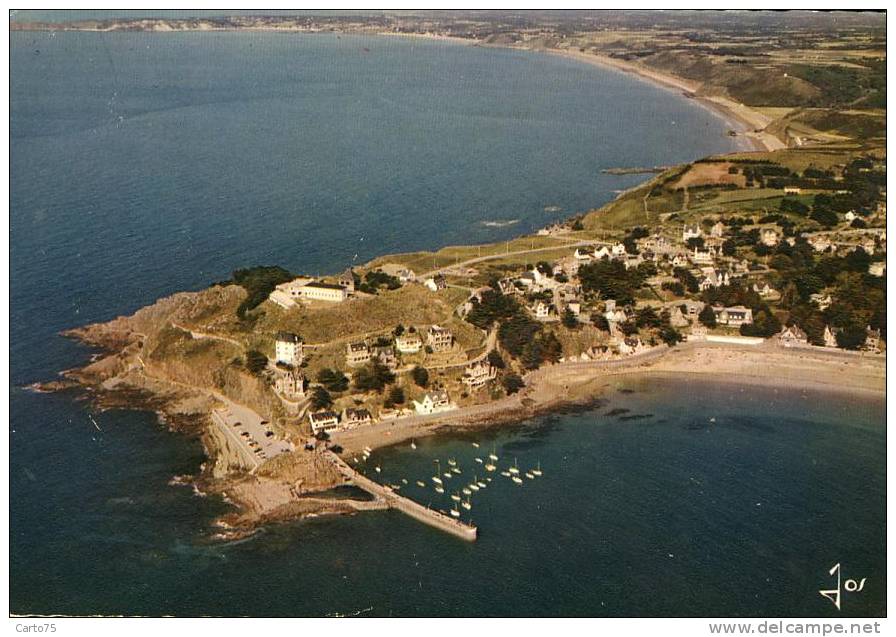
(680, 261)
(713, 278)
(385, 354)
(690, 309)
(290, 384)
(830, 337)
(769, 237)
(718, 230)
(323, 421)
(823, 301)
(614, 314)
(618, 250)
(792, 336)
(436, 283)
(286, 295)
(527, 278)
(288, 349)
(877, 268)
(734, 316)
(320, 291)
(439, 338)
(574, 306)
(478, 374)
(406, 275)
(542, 310)
(872, 341)
(763, 289)
(507, 287)
(633, 261)
(820, 243)
(356, 417)
(433, 402)
(582, 255)
(347, 280)
(602, 252)
(705, 257)
(792, 190)
(850, 216)
(677, 317)
(691, 232)
(357, 353)
(408, 343)
(630, 345)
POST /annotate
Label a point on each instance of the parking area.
(253, 435)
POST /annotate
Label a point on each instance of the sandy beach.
(566, 385)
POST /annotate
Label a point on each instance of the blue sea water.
(144, 164)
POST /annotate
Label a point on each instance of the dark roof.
(328, 286)
(289, 337)
(321, 415)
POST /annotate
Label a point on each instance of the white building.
(433, 402)
(355, 417)
(357, 353)
(323, 421)
(436, 283)
(792, 336)
(734, 316)
(320, 291)
(439, 338)
(408, 343)
(769, 237)
(478, 374)
(288, 349)
(691, 232)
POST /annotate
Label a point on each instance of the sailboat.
(537, 470)
(436, 477)
(467, 504)
(447, 474)
(455, 469)
(452, 462)
(466, 491)
(439, 489)
(413, 445)
(454, 512)
(493, 456)
(517, 479)
(529, 475)
(479, 460)
(455, 497)
(514, 469)
(506, 474)
(420, 483)
(476, 444)
(378, 470)
(481, 484)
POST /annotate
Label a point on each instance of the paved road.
(503, 255)
(256, 440)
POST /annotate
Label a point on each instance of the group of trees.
(610, 280)
(376, 279)
(258, 282)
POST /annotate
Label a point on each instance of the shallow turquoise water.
(142, 165)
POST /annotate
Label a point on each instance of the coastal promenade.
(407, 506)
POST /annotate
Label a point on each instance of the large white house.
(288, 294)
(439, 338)
(288, 349)
(408, 343)
(478, 374)
(433, 402)
(320, 291)
(323, 421)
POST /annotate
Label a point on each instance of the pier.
(407, 506)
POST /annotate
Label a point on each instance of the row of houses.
(794, 336)
(327, 420)
(438, 339)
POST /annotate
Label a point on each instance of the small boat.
(467, 504)
(437, 479)
(479, 460)
(413, 446)
(476, 444)
(529, 475)
(447, 474)
(440, 490)
(517, 479)
(455, 470)
(506, 474)
(490, 467)
(493, 456)
(454, 512)
(420, 483)
(466, 491)
(367, 450)
(514, 469)
(452, 462)
(473, 486)
(537, 470)
(488, 479)
(404, 480)
(395, 487)
(481, 484)
(378, 470)
(455, 497)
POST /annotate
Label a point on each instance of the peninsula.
(763, 267)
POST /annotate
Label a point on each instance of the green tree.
(707, 317)
(320, 398)
(420, 376)
(256, 362)
(569, 319)
(495, 359)
(373, 377)
(512, 383)
(851, 337)
(333, 379)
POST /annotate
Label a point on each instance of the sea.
(144, 164)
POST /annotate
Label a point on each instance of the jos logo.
(849, 586)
